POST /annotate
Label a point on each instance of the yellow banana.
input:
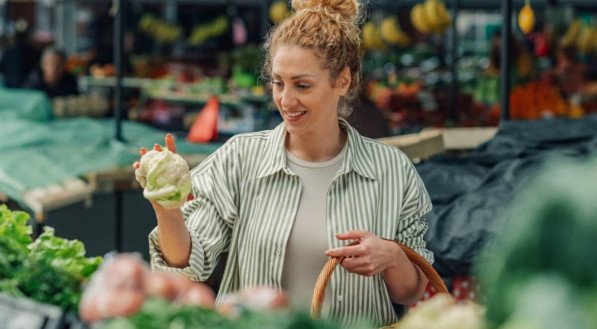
(372, 37)
(368, 35)
(417, 17)
(593, 47)
(431, 12)
(379, 43)
(444, 15)
(571, 34)
(583, 41)
(278, 11)
(392, 33)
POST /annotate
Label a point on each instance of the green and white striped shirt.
(246, 199)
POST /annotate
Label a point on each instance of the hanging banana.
(432, 14)
(392, 34)
(372, 37)
(571, 33)
(418, 19)
(584, 40)
(444, 15)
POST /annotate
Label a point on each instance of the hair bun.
(349, 9)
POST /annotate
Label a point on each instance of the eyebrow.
(300, 76)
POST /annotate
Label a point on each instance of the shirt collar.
(356, 159)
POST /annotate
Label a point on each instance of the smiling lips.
(295, 114)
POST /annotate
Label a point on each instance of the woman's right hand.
(174, 237)
(170, 144)
(164, 175)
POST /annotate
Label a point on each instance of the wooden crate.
(464, 138)
(417, 146)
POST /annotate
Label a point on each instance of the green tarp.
(37, 151)
(24, 104)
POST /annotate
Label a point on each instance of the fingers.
(170, 143)
(136, 165)
(142, 151)
(361, 267)
(353, 235)
(349, 251)
(157, 147)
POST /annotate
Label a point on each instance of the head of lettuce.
(165, 177)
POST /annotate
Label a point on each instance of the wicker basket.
(324, 277)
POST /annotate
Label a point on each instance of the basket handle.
(324, 277)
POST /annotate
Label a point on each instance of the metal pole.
(454, 63)
(505, 58)
(119, 11)
(119, 18)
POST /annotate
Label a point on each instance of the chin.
(292, 129)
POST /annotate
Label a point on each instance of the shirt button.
(339, 298)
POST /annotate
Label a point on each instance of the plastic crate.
(24, 313)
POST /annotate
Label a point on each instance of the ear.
(343, 81)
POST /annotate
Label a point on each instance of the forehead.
(294, 60)
(52, 57)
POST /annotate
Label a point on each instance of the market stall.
(479, 128)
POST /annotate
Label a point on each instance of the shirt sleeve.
(209, 217)
(412, 223)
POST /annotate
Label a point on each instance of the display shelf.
(43, 199)
(88, 81)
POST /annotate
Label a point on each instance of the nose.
(287, 99)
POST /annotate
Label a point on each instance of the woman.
(281, 202)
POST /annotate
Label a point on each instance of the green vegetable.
(551, 229)
(14, 239)
(49, 270)
(166, 178)
(442, 312)
(161, 314)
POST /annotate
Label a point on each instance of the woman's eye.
(276, 83)
(303, 86)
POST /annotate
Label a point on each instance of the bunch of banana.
(392, 34)
(278, 11)
(201, 33)
(585, 42)
(571, 33)
(159, 29)
(594, 40)
(371, 36)
(430, 16)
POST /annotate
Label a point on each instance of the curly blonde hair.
(331, 29)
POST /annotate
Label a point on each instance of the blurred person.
(19, 58)
(51, 77)
(523, 65)
(569, 71)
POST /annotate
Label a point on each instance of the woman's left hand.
(371, 256)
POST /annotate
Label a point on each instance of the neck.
(317, 147)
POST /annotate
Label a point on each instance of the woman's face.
(303, 93)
